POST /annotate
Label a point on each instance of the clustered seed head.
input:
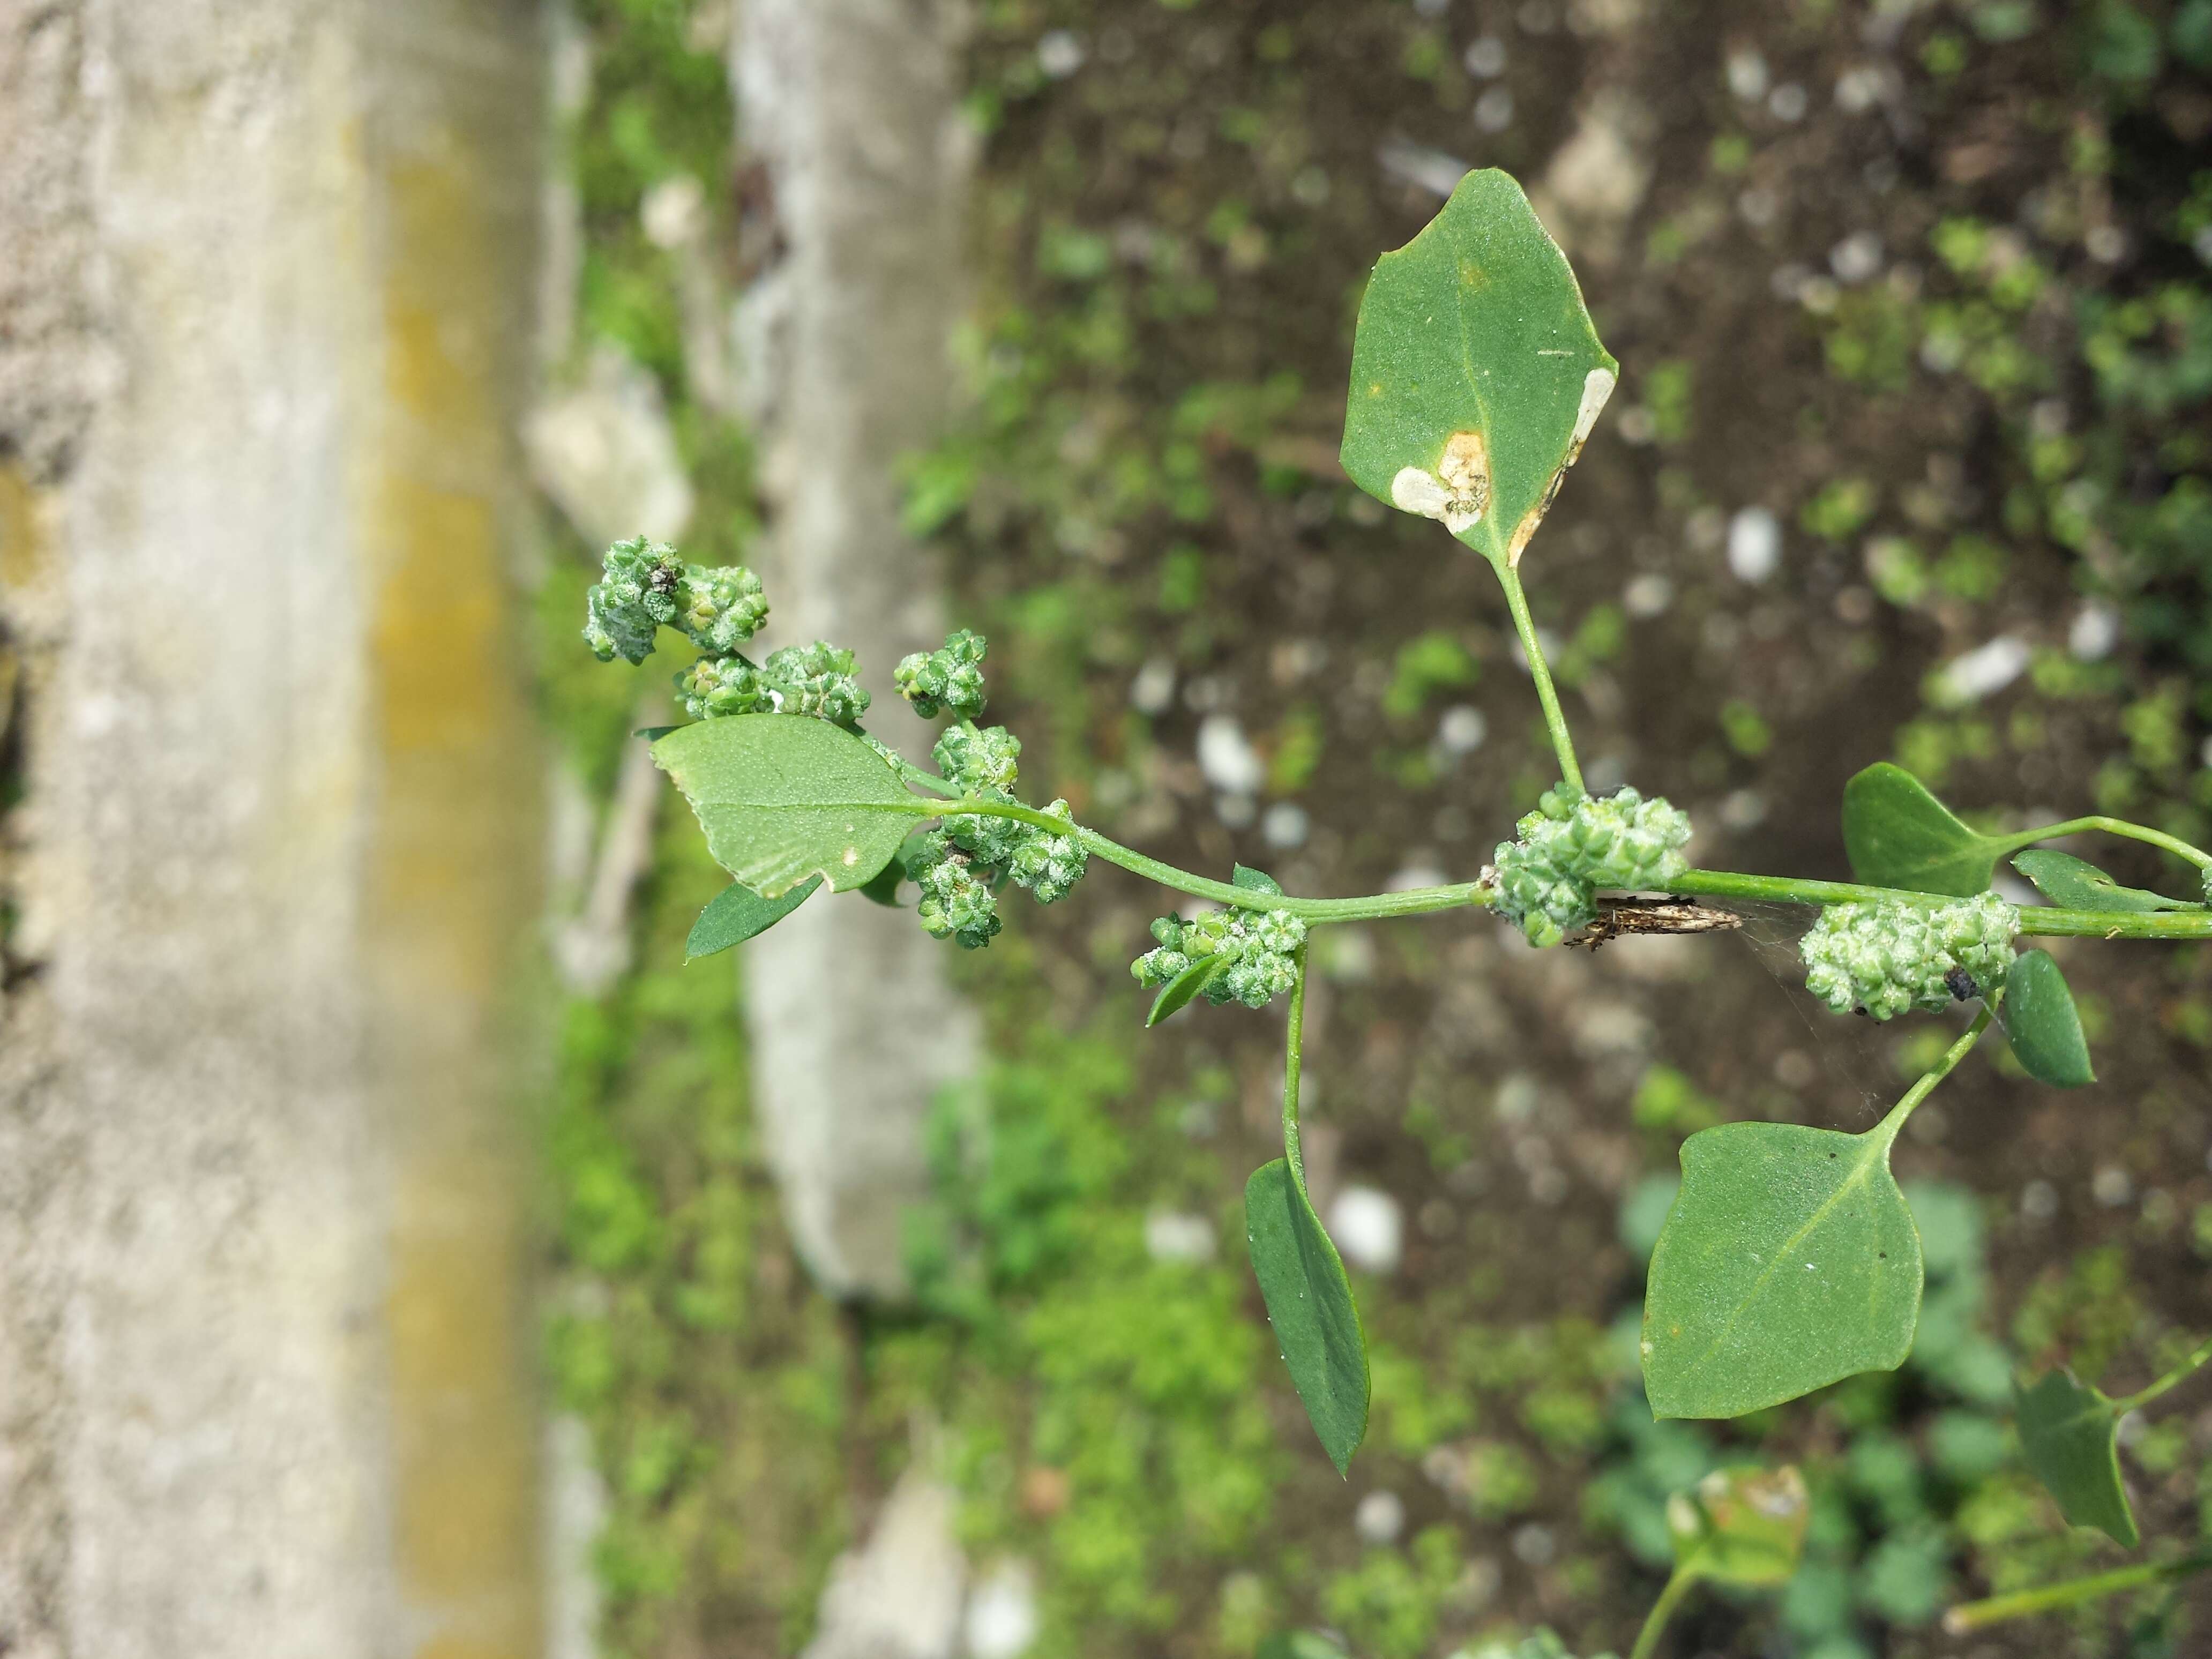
(1888, 957)
(1257, 947)
(957, 901)
(1574, 845)
(979, 760)
(816, 679)
(949, 679)
(1049, 865)
(646, 586)
(715, 686)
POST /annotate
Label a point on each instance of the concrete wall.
(264, 1345)
(850, 109)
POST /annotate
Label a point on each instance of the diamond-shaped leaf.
(1897, 835)
(1744, 1525)
(2069, 1433)
(738, 914)
(783, 797)
(1309, 1299)
(1475, 373)
(1789, 1260)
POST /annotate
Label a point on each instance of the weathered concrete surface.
(263, 1266)
(851, 106)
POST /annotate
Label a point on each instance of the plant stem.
(2180, 1374)
(1974, 1616)
(1655, 1623)
(2179, 848)
(1935, 1073)
(1425, 901)
(1293, 1051)
(2035, 919)
(1554, 721)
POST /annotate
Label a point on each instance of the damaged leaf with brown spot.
(1476, 373)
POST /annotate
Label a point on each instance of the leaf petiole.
(2023, 1604)
(1555, 721)
(2180, 1374)
(1655, 1622)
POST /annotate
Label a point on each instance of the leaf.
(1789, 1260)
(1183, 987)
(2042, 1022)
(1256, 881)
(1743, 1525)
(1475, 372)
(737, 914)
(655, 733)
(783, 797)
(1897, 835)
(2074, 885)
(1309, 1299)
(882, 887)
(2069, 1433)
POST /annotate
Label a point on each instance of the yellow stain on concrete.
(451, 892)
(23, 547)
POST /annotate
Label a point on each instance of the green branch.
(1975, 1615)
(1655, 1623)
(1555, 721)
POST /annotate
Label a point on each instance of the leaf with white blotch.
(1256, 881)
(2073, 884)
(1790, 1261)
(2069, 1434)
(1476, 373)
(738, 914)
(1743, 1526)
(2042, 1022)
(783, 797)
(1309, 1298)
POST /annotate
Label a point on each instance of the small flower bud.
(978, 759)
(636, 596)
(1574, 847)
(816, 679)
(949, 679)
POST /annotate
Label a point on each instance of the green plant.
(1789, 1259)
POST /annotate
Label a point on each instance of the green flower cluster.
(646, 586)
(949, 679)
(1255, 948)
(1887, 959)
(960, 865)
(1575, 846)
(819, 679)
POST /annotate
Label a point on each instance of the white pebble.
(1286, 826)
(1369, 1228)
(2095, 631)
(1380, 1517)
(1178, 1236)
(1059, 54)
(1462, 729)
(1754, 544)
(1228, 760)
(1985, 670)
(1154, 687)
(1002, 1613)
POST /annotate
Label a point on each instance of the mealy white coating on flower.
(1891, 957)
